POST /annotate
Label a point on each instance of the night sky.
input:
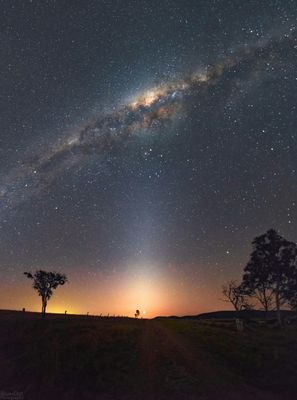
(143, 145)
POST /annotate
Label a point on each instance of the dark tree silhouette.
(256, 283)
(45, 282)
(235, 295)
(293, 302)
(292, 291)
(270, 273)
(137, 313)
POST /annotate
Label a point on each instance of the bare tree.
(235, 295)
(45, 282)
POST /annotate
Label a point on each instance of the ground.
(80, 357)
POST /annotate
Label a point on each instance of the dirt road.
(174, 367)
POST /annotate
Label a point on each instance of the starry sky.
(143, 145)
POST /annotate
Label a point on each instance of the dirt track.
(174, 367)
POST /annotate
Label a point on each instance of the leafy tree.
(293, 303)
(235, 295)
(292, 291)
(137, 313)
(45, 282)
(256, 283)
(271, 270)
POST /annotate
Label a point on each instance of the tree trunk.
(44, 303)
(266, 306)
(265, 301)
(277, 303)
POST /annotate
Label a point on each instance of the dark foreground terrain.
(75, 357)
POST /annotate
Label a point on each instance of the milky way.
(151, 110)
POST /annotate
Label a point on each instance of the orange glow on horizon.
(151, 289)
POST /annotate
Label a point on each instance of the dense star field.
(143, 145)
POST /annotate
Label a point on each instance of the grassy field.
(76, 357)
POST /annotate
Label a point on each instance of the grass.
(76, 357)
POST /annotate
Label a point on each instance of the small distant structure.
(24, 310)
(137, 314)
(239, 325)
(65, 312)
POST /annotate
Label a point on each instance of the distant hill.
(251, 314)
(215, 315)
